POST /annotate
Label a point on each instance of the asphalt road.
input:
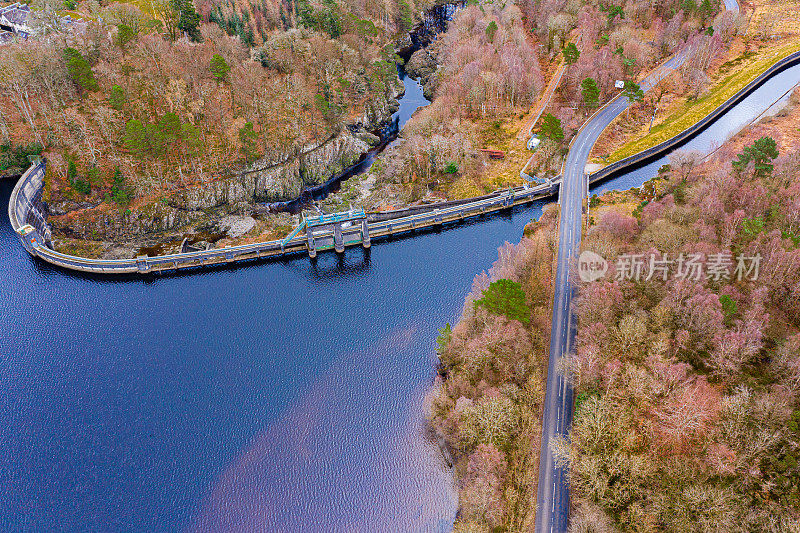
(553, 494)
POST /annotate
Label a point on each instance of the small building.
(14, 21)
(619, 84)
(533, 142)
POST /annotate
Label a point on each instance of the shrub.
(505, 297)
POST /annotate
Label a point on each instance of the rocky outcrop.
(423, 65)
(275, 177)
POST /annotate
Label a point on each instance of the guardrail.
(33, 231)
(690, 132)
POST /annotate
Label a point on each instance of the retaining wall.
(688, 133)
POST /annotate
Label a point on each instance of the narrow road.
(553, 495)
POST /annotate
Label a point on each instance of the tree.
(135, 138)
(188, 19)
(571, 54)
(80, 71)
(632, 91)
(219, 67)
(169, 15)
(505, 297)
(405, 19)
(551, 128)
(248, 138)
(117, 97)
(590, 92)
(761, 152)
(613, 11)
(491, 29)
(125, 34)
(170, 127)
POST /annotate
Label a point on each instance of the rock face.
(267, 181)
(276, 177)
(423, 65)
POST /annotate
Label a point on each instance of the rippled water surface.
(282, 396)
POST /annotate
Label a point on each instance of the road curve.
(553, 495)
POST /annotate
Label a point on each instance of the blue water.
(280, 396)
(720, 131)
(283, 396)
(412, 100)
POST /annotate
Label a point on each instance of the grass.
(693, 111)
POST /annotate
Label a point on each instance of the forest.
(688, 385)
(489, 71)
(490, 390)
(160, 114)
(141, 111)
(687, 359)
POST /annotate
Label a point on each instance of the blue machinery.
(335, 230)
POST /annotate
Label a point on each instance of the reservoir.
(278, 396)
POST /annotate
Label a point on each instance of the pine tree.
(219, 67)
(590, 92)
(80, 71)
(571, 54)
(188, 19)
(117, 97)
(551, 128)
(136, 137)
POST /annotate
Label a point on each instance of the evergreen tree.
(117, 97)
(125, 34)
(505, 297)
(170, 128)
(188, 19)
(219, 67)
(248, 138)
(491, 29)
(135, 138)
(571, 54)
(80, 71)
(590, 92)
(405, 19)
(632, 91)
(551, 128)
(761, 152)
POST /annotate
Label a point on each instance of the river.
(279, 396)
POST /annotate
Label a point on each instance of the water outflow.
(280, 396)
(435, 22)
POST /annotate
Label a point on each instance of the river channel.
(279, 396)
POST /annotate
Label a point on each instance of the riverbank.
(488, 401)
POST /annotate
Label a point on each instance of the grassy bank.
(736, 74)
